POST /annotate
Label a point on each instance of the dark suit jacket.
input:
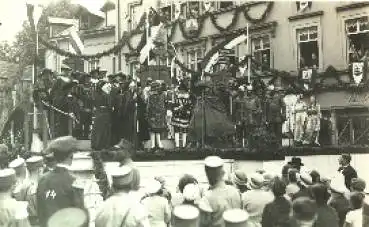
(349, 173)
(55, 192)
(276, 213)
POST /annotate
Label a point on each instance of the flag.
(75, 40)
(230, 45)
(34, 11)
(72, 30)
(154, 32)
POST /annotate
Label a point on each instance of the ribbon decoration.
(71, 115)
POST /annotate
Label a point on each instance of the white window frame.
(262, 45)
(301, 24)
(358, 31)
(192, 60)
(308, 31)
(133, 10)
(344, 16)
(93, 64)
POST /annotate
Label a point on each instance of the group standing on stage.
(106, 109)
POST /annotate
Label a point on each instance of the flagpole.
(249, 54)
(147, 34)
(35, 119)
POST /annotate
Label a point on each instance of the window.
(261, 51)
(224, 4)
(84, 22)
(226, 57)
(93, 64)
(191, 9)
(357, 31)
(308, 47)
(166, 10)
(194, 56)
(134, 16)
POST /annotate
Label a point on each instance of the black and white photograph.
(184, 113)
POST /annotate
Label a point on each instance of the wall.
(330, 24)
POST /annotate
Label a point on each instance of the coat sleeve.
(266, 218)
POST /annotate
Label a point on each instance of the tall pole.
(119, 36)
(249, 54)
(34, 79)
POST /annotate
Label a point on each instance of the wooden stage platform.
(169, 153)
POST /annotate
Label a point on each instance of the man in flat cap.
(220, 196)
(55, 189)
(122, 209)
(12, 212)
(346, 169)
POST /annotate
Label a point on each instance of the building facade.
(284, 35)
(97, 32)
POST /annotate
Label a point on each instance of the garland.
(193, 34)
(125, 39)
(232, 24)
(262, 17)
(100, 174)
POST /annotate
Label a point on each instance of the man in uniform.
(220, 197)
(275, 114)
(13, 213)
(55, 189)
(86, 106)
(114, 212)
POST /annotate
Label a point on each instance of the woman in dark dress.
(101, 130)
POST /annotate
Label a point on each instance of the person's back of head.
(315, 176)
(304, 209)
(357, 185)
(185, 180)
(320, 194)
(278, 187)
(356, 200)
(62, 149)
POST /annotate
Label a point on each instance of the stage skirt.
(217, 123)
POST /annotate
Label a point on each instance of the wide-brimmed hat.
(239, 177)
(256, 181)
(296, 161)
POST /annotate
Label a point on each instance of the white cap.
(235, 216)
(213, 162)
(186, 212)
(17, 163)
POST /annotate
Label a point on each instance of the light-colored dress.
(158, 210)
